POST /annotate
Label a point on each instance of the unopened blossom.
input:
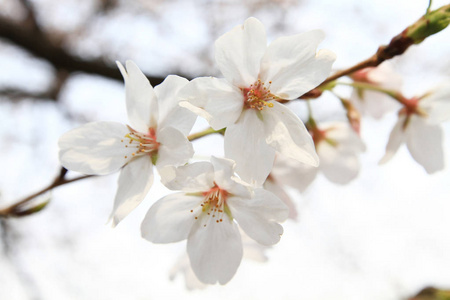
(373, 103)
(156, 136)
(251, 250)
(418, 126)
(208, 211)
(257, 76)
(338, 147)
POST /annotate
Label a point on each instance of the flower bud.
(429, 24)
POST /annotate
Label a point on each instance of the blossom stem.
(367, 86)
(401, 42)
(203, 133)
(311, 123)
(353, 116)
(20, 208)
(429, 6)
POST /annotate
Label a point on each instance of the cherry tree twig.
(20, 208)
(427, 25)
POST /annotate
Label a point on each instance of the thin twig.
(15, 209)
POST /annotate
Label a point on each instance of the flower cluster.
(266, 145)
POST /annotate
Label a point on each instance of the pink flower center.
(363, 75)
(411, 106)
(144, 143)
(319, 136)
(214, 205)
(258, 95)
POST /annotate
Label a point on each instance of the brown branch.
(51, 93)
(429, 24)
(38, 44)
(31, 20)
(398, 45)
(19, 208)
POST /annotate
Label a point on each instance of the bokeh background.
(386, 235)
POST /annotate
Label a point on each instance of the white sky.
(384, 236)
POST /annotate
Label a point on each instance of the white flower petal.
(224, 177)
(170, 219)
(174, 149)
(374, 104)
(293, 173)
(135, 181)
(94, 148)
(220, 101)
(272, 186)
(245, 143)
(437, 104)
(239, 52)
(425, 144)
(190, 178)
(346, 139)
(396, 138)
(292, 65)
(286, 133)
(253, 250)
(339, 152)
(339, 167)
(259, 216)
(215, 250)
(142, 107)
(183, 266)
(170, 112)
(385, 76)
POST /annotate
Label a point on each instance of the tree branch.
(37, 43)
(51, 93)
(19, 208)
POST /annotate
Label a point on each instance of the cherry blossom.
(373, 103)
(246, 100)
(338, 147)
(156, 136)
(207, 212)
(419, 127)
(251, 250)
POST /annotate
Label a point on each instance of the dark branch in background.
(51, 93)
(38, 44)
(30, 21)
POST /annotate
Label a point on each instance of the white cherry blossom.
(245, 101)
(207, 212)
(156, 136)
(251, 250)
(338, 147)
(419, 127)
(372, 103)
